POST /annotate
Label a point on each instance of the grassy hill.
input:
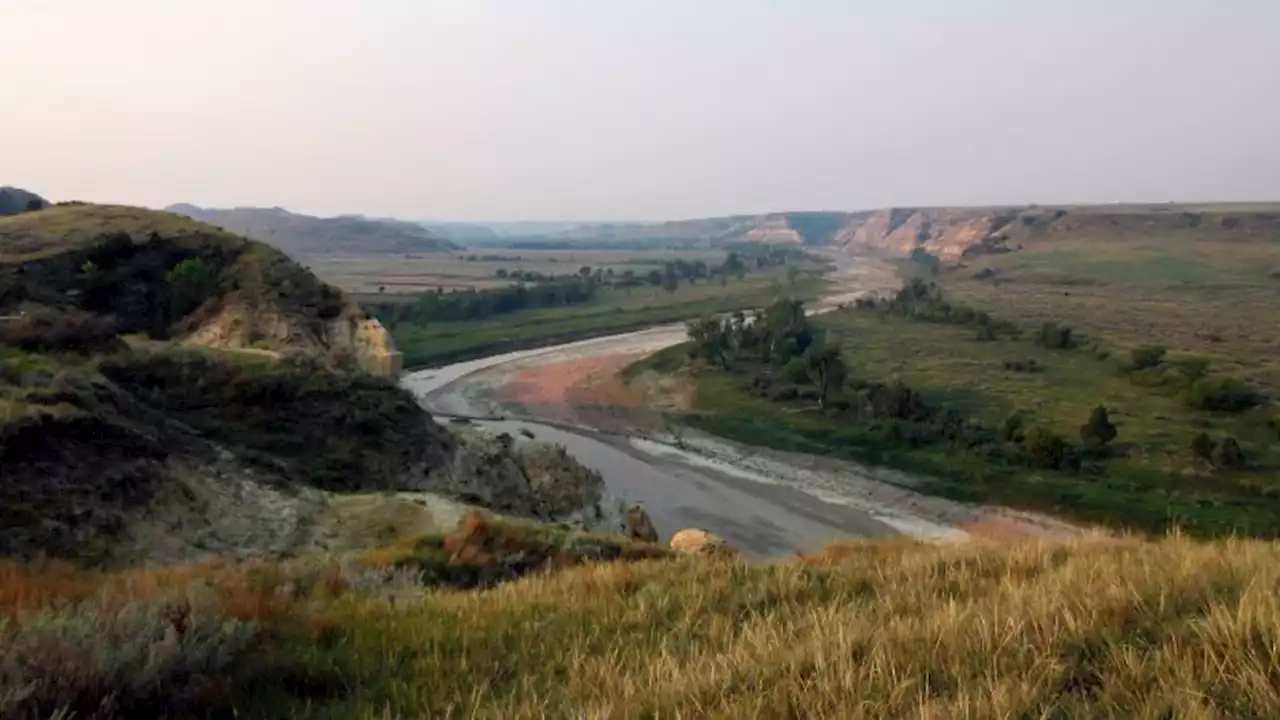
(139, 371)
(171, 391)
(115, 262)
(1115, 628)
(305, 236)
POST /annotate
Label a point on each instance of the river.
(766, 504)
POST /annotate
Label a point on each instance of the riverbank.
(769, 503)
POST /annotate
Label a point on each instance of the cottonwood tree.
(827, 369)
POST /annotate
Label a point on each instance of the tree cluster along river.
(767, 504)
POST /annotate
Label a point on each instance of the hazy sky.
(638, 109)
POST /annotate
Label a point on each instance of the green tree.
(1046, 449)
(670, 283)
(191, 282)
(1229, 455)
(711, 341)
(1099, 430)
(733, 265)
(1202, 447)
(827, 368)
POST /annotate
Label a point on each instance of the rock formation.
(700, 542)
(639, 525)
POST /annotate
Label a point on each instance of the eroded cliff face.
(945, 232)
(773, 229)
(375, 350)
(241, 325)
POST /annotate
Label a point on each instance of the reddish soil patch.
(590, 390)
(572, 383)
(1003, 525)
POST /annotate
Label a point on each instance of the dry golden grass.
(888, 629)
(891, 629)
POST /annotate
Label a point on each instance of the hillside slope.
(170, 391)
(1115, 628)
(305, 236)
(115, 262)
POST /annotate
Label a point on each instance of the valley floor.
(765, 502)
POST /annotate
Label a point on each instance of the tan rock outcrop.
(945, 232)
(375, 350)
(700, 542)
(773, 229)
(239, 325)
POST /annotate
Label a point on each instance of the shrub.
(796, 371)
(1012, 429)
(135, 658)
(1045, 449)
(898, 401)
(1152, 378)
(986, 333)
(784, 394)
(1099, 430)
(1229, 455)
(1225, 394)
(1192, 367)
(1147, 356)
(1029, 365)
(1056, 336)
(1202, 446)
(61, 332)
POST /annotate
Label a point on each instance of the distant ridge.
(306, 236)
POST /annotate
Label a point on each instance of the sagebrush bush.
(1045, 448)
(1056, 336)
(61, 332)
(1222, 393)
(118, 656)
(1147, 356)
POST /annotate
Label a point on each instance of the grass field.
(364, 276)
(1152, 482)
(1218, 296)
(612, 310)
(1213, 299)
(1114, 628)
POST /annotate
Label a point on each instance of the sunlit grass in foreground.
(1125, 628)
